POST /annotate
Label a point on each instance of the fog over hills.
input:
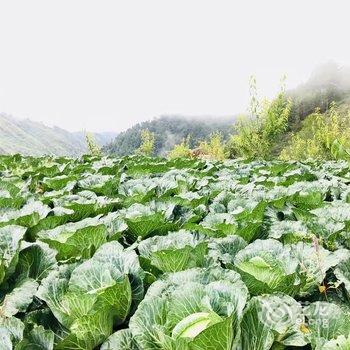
(327, 83)
(33, 138)
(170, 130)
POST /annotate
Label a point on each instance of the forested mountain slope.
(169, 131)
(328, 83)
(32, 138)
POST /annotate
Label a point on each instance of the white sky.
(104, 65)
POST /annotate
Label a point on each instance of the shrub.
(215, 147)
(147, 143)
(92, 145)
(322, 136)
(257, 133)
(181, 150)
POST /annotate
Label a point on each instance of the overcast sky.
(104, 65)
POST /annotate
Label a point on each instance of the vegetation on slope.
(32, 138)
(256, 135)
(318, 134)
(271, 129)
(147, 143)
(169, 131)
(281, 127)
(312, 121)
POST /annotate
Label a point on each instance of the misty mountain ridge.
(170, 130)
(328, 83)
(35, 138)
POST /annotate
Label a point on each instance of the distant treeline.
(311, 121)
(169, 131)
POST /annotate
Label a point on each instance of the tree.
(181, 150)
(257, 133)
(214, 147)
(168, 132)
(322, 136)
(147, 143)
(93, 147)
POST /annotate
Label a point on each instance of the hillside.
(32, 138)
(328, 83)
(169, 131)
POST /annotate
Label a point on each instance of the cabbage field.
(146, 253)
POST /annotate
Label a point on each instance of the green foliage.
(215, 147)
(168, 132)
(322, 136)
(27, 137)
(257, 134)
(92, 145)
(147, 143)
(328, 83)
(181, 150)
(307, 101)
(339, 151)
(142, 253)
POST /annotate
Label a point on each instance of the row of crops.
(144, 254)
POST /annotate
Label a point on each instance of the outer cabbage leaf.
(11, 332)
(90, 298)
(174, 252)
(272, 319)
(267, 266)
(38, 338)
(314, 262)
(224, 223)
(35, 260)
(58, 182)
(100, 184)
(29, 215)
(340, 343)
(19, 298)
(10, 237)
(326, 322)
(137, 191)
(342, 272)
(56, 217)
(75, 240)
(288, 231)
(144, 221)
(225, 249)
(121, 340)
(115, 224)
(179, 295)
(86, 204)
